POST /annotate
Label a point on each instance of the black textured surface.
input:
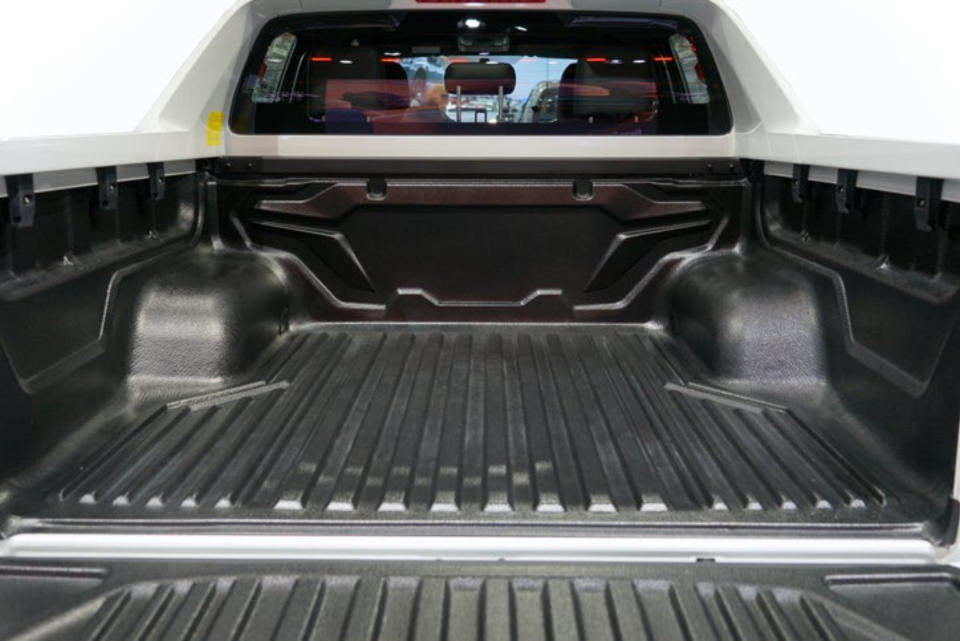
(422, 249)
(529, 423)
(789, 382)
(357, 601)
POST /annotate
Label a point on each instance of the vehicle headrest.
(613, 83)
(480, 78)
(338, 63)
(394, 71)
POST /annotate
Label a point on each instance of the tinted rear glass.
(495, 72)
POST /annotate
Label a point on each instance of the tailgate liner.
(595, 424)
(364, 600)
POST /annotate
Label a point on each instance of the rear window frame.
(720, 117)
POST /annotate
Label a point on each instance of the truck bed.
(327, 358)
(484, 423)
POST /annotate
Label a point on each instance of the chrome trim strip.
(648, 549)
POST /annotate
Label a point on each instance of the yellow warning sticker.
(214, 128)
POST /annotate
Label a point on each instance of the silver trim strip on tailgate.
(729, 549)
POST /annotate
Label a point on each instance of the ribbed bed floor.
(357, 601)
(479, 423)
(515, 602)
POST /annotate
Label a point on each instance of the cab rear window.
(490, 73)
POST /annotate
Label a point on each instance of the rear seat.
(597, 90)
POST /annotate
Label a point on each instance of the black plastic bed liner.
(590, 424)
(362, 600)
